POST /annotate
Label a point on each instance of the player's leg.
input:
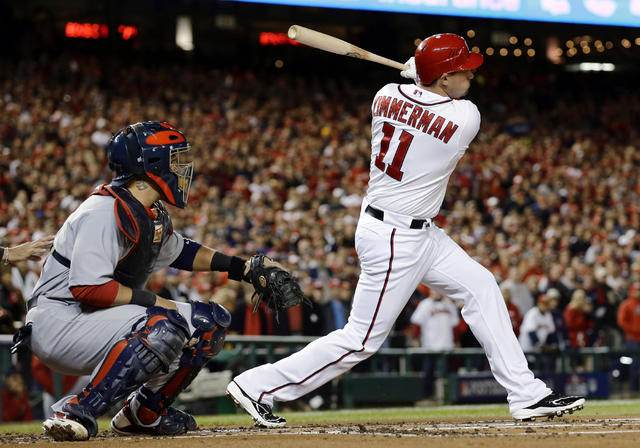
(132, 360)
(456, 275)
(148, 410)
(388, 276)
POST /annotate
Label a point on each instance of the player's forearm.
(113, 293)
(208, 259)
(142, 297)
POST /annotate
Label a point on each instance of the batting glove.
(410, 73)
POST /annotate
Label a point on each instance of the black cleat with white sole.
(550, 406)
(261, 413)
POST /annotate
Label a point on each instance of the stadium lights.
(184, 33)
(626, 360)
(591, 67)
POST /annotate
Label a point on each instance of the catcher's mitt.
(273, 286)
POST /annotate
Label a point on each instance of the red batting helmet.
(444, 53)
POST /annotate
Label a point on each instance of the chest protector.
(145, 233)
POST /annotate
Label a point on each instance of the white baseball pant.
(394, 259)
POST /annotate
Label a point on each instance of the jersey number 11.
(406, 138)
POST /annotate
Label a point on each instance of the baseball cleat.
(550, 406)
(61, 427)
(261, 413)
(175, 421)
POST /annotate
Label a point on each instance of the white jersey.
(436, 319)
(538, 323)
(417, 138)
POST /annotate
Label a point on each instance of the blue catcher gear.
(130, 363)
(148, 412)
(152, 149)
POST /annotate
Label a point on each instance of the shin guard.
(211, 322)
(130, 363)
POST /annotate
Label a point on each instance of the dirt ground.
(572, 432)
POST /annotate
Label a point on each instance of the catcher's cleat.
(62, 427)
(175, 421)
(550, 406)
(261, 413)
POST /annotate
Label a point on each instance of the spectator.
(542, 201)
(12, 307)
(520, 293)
(15, 397)
(537, 326)
(435, 318)
(514, 312)
(32, 250)
(629, 321)
(576, 316)
(560, 337)
(44, 377)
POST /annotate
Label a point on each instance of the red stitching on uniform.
(375, 315)
(386, 281)
(420, 102)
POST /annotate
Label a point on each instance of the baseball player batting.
(419, 132)
(89, 313)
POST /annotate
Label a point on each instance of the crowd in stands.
(546, 197)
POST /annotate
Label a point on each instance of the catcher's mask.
(155, 151)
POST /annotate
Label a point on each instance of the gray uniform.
(72, 337)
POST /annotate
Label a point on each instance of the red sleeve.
(101, 296)
(415, 331)
(624, 320)
(8, 410)
(15, 408)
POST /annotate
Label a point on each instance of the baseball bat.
(332, 44)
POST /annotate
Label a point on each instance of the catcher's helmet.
(444, 53)
(151, 149)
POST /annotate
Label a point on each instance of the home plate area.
(492, 428)
(569, 432)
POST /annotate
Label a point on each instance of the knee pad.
(131, 362)
(164, 334)
(211, 322)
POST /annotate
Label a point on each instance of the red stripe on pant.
(373, 320)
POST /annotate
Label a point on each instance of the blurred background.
(546, 196)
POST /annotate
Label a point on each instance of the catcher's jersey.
(91, 240)
(417, 138)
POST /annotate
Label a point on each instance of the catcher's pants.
(74, 341)
(394, 260)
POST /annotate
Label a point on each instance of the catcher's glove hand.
(273, 285)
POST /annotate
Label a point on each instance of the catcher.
(90, 314)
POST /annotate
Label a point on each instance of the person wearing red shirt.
(576, 316)
(629, 321)
(15, 397)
